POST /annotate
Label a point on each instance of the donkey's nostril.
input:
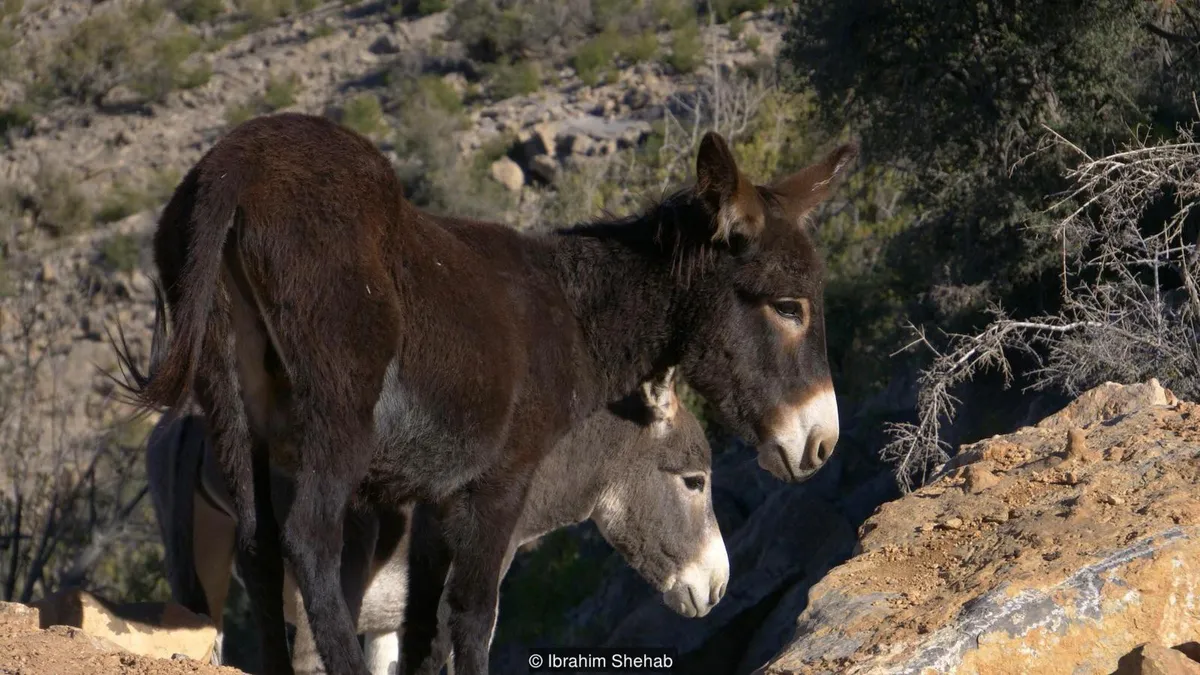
(820, 448)
(824, 450)
(718, 593)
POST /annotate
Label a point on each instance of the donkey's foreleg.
(479, 527)
(358, 548)
(441, 649)
(428, 564)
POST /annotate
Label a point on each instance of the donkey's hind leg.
(313, 538)
(358, 543)
(245, 469)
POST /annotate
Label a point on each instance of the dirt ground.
(61, 650)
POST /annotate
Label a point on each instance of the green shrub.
(515, 80)
(161, 185)
(15, 118)
(492, 149)
(687, 49)
(59, 206)
(607, 14)
(595, 57)
(259, 13)
(121, 253)
(726, 10)
(363, 114)
(492, 34)
(122, 202)
(11, 8)
(237, 113)
(753, 42)
(97, 54)
(324, 29)
(736, 26)
(8, 35)
(427, 7)
(129, 48)
(166, 71)
(441, 94)
(197, 76)
(6, 289)
(434, 175)
(675, 13)
(641, 48)
(199, 11)
(280, 92)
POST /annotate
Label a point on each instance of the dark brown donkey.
(384, 355)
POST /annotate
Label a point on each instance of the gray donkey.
(640, 469)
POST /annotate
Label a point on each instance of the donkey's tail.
(169, 382)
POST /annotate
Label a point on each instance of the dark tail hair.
(173, 362)
(168, 384)
(174, 450)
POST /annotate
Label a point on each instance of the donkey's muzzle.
(802, 438)
(701, 584)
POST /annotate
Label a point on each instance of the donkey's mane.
(676, 226)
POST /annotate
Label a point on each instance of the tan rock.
(48, 274)
(81, 636)
(151, 629)
(1151, 659)
(1077, 449)
(16, 614)
(976, 479)
(508, 173)
(1107, 401)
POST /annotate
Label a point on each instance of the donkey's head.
(656, 509)
(755, 333)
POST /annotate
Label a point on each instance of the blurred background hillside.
(962, 218)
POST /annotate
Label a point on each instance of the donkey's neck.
(626, 301)
(569, 482)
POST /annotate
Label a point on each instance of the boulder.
(1058, 548)
(18, 616)
(508, 173)
(154, 629)
(544, 167)
(1157, 660)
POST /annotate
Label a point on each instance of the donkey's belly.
(428, 451)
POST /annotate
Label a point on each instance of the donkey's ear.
(658, 393)
(727, 192)
(800, 192)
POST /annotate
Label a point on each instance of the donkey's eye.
(694, 483)
(789, 308)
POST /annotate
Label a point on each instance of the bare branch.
(1131, 312)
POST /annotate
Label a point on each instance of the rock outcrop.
(1068, 547)
(159, 629)
(26, 649)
